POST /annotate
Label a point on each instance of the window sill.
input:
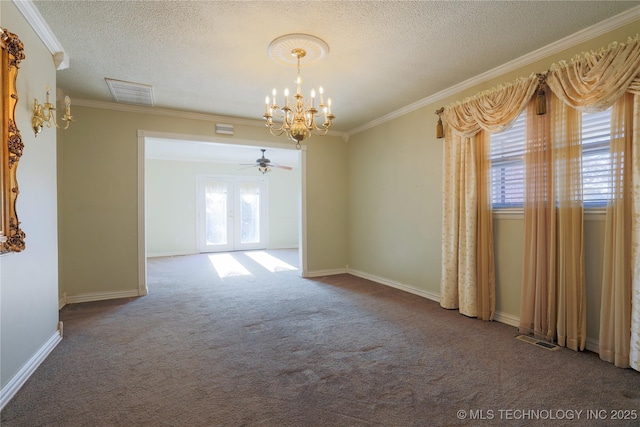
(508, 213)
(590, 214)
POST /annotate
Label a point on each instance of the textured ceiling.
(212, 56)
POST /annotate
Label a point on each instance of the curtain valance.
(492, 110)
(591, 81)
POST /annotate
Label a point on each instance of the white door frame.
(142, 241)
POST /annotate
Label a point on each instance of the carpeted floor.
(261, 348)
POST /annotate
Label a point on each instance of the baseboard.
(62, 301)
(100, 296)
(404, 287)
(507, 319)
(593, 345)
(168, 254)
(19, 379)
(320, 273)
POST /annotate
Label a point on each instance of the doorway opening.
(179, 174)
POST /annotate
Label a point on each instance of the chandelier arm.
(276, 132)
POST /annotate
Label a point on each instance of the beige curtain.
(459, 241)
(595, 81)
(537, 306)
(615, 312)
(468, 275)
(634, 350)
(570, 294)
(553, 295)
(485, 264)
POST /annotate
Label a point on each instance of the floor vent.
(539, 343)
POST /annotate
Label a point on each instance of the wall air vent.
(131, 93)
(224, 129)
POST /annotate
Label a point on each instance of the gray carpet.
(273, 349)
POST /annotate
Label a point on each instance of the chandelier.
(300, 117)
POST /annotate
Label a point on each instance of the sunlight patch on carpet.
(270, 262)
(227, 266)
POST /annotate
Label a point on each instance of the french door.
(231, 213)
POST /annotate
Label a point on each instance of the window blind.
(507, 166)
(596, 158)
(507, 162)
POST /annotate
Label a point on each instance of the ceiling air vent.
(224, 129)
(131, 93)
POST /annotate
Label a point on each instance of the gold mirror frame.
(11, 236)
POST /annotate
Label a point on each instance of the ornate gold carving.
(14, 47)
(12, 237)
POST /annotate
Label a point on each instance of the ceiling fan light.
(264, 169)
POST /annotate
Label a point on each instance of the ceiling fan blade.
(249, 164)
(273, 165)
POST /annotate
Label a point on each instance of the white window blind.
(507, 162)
(596, 158)
(507, 166)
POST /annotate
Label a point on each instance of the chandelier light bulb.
(67, 104)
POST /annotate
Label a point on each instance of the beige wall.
(29, 279)
(395, 204)
(170, 189)
(98, 167)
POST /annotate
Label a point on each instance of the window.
(507, 162)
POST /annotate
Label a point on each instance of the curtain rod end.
(439, 126)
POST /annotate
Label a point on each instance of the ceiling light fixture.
(298, 116)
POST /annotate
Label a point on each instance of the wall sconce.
(45, 113)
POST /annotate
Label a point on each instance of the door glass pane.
(249, 212)
(216, 199)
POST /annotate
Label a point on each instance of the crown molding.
(574, 39)
(130, 108)
(42, 29)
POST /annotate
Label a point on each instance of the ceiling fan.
(264, 165)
